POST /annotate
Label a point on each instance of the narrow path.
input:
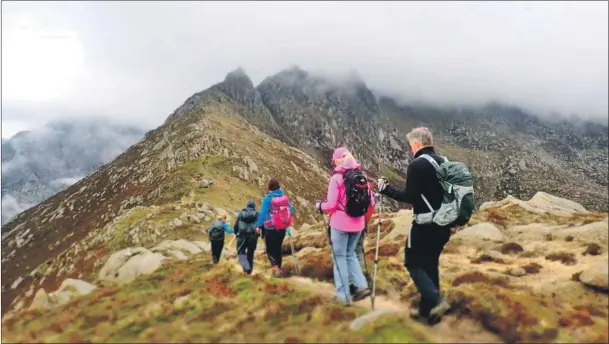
(450, 330)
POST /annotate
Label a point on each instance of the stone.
(596, 276)
(184, 217)
(369, 318)
(41, 300)
(205, 246)
(180, 244)
(204, 183)
(484, 231)
(17, 282)
(176, 223)
(181, 301)
(517, 272)
(595, 232)
(79, 286)
(140, 264)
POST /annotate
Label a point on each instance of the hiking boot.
(417, 316)
(436, 313)
(361, 294)
(340, 302)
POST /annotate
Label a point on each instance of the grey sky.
(138, 61)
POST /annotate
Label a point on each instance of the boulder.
(145, 263)
(595, 232)
(482, 232)
(180, 244)
(369, 318)
(125, 265)
(175, 223)
(596, 276)
(517, 272)
(41, 300)
(78, 286)
(204, 246)
(553, 204)
(531, 232)
(118, 259)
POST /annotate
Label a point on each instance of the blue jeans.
(346, 265)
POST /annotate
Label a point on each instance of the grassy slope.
(220, 306)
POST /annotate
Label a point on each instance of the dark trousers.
(246, 246)
(273, 240)
(422, 260)
(216, 250)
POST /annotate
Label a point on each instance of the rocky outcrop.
(596, 276)
(69, 289)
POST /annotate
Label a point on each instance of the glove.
(382, 184)
(318, 207)
(289, 232)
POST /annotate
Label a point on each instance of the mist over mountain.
(39, 163)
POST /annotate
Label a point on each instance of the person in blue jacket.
(216, 237)
(273, 239)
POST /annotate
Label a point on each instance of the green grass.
(221, 306)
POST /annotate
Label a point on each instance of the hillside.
(39, 163)
(531, 271)
(211, 142)
(142, 216)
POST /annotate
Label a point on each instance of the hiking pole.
(376, 254)
(294, 254)
(335, 262)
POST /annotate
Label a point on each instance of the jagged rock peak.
(239, 77)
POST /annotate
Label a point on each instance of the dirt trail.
(450, 330)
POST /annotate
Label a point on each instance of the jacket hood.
(278, 192)
(250, 205)
(347, 164)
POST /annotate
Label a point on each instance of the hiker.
(274, 220)
(216, 237)
(425, 242)
(247, 238)
(348, 199)
(359, 248)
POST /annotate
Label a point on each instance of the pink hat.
(340, 153)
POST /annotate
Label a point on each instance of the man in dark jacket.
(247, 239)
(425, 242)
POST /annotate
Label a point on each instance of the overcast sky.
(138, 61)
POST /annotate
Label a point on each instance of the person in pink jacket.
(345, 230)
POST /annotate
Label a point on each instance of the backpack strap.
(434, 163)
(431, 161)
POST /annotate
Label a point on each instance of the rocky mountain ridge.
(510, 151)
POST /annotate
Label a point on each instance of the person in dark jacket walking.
(425, 242)
(216, 237)
(273, 237)
(247, 238)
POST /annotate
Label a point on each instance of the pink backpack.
(281, 217)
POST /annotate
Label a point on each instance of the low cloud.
(548, 56)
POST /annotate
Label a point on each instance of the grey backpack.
(458, 203)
